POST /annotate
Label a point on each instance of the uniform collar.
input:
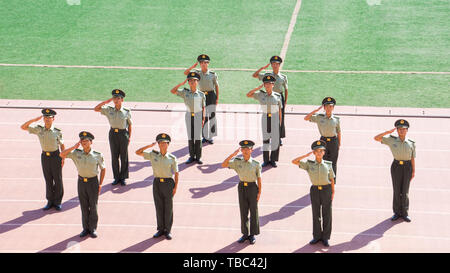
(50, 129)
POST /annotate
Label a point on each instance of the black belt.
(50, 153)
(245, 183)
(163, 179)
(87, 179)
(328, 139)
(321, 187)
(402, 162)
(117, 130)
(208, 91)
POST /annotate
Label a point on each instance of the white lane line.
(221, 69)
(208, 204)
(287, 38)
(205, 183)
(236, 229)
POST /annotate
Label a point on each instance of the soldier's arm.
(129, 132)
(102, 177)
(98, 108)
(62, 149)
(285, 97)
(297, 160)
(413, 165)
(251, 92)
(65, 152)
(28, 123)
(256, 74)
(226, 162)
(379, 137)
(332, 188)
(217, 92)
(176, 184)
(339, 139)
(190, 68)
(308, 116)
(174, 90)
(259, 188)
(141, 150)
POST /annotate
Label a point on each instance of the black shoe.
(281, 143)
(84, 233)
(242, 239)
(122, 182)
(252, 239)
(210, 141)
(314, 241)
(265, 164)
(48, 206)
(94, 234)
(58, 207)
(325, 243)
(273, 163)
(190, 160)
(158, 234)
(395, 217)
(406, 218)
(116, 181)
(204, 140)
(168, 235)
(199, 161)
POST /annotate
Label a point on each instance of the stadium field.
(370, 38)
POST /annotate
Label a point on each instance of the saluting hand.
(266, 66)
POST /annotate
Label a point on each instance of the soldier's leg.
(243, 208)
(48, 176)
(191, 148)
(115, 152)
(326, 212)
(58, 181)
(198, 149)
(84, 203)
(282, 128)
(396, 175)
(407, 174)
(159, 205)
(93, 203)
(123, 150)
(168, 204)
(315, 205)
(252, 189)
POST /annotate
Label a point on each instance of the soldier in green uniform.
(164, 166)
(51, 140)
(119, 119)
(249, 188)
(329, 129)
(280, 87)
(270, 120)
(321, 173)
(87, 162)
(402, 168)
(195, 102)
(210, 87)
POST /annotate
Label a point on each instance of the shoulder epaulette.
(156, 152)
(95, 152)
(57, 129)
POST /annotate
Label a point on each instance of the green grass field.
(397, 35)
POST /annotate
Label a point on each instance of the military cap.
(86, 135)
(318, 144)
(203, 57)
(193, 75)
(276, 59)
(163, 137)
(47, 112)
(328, 100)
(401, 123)
(118, 93)
(269, 78)
(246, 144)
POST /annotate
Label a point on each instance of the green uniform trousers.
(248, 202)
(51, 167)
(321, 211)
(401, 173)
(163, 198)
(88, 196)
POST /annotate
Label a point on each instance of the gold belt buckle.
(269, 115)
(161, 180)
(116, 130)
(192, 114)
(320, 188)
(206, 92)
(245, 184)
(328, 139)
(85, 179)
(401, 162)
(47, 153)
